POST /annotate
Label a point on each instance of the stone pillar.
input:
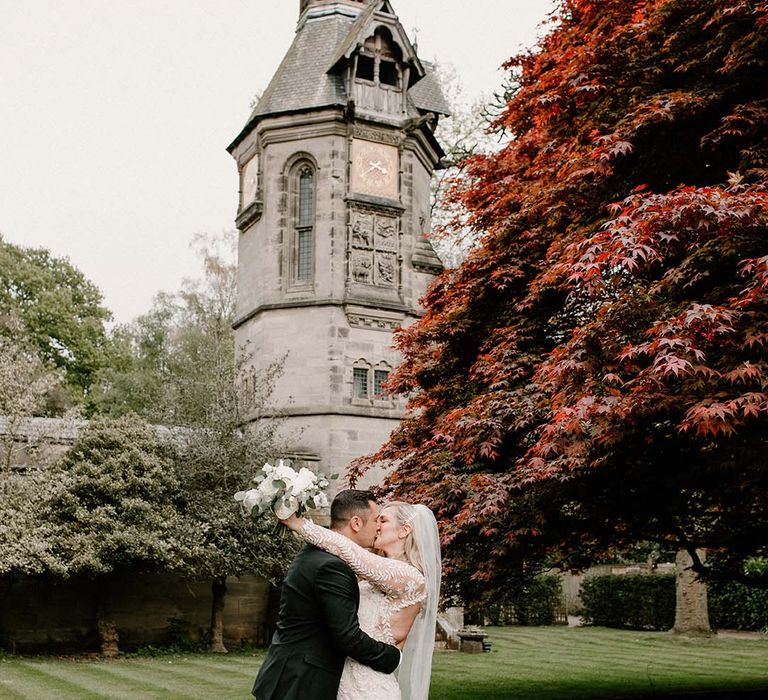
(691, 613)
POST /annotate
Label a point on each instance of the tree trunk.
(691, 613)
(219, 592)
(108, 637)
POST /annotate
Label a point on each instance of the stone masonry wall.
(43, 614)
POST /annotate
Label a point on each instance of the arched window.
(368, 383)
(380, 376)
(303, 243)
(361, 378)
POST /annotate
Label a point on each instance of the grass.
(553, 663)
(533, 663)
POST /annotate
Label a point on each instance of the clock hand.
(375, 166)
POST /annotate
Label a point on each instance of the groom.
(317, 625)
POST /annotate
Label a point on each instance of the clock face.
(250, 183)
(375, 169)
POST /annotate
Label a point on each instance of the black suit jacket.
(317, 628)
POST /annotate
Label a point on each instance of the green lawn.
(537, 663)
(559, 663)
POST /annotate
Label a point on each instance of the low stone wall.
(43, 614)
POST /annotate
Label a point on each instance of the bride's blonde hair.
(405, 514)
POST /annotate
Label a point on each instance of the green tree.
(60, 312)
(211, 393)
(27, 388)
(118, 505)
(137, 366)
(177, 367)
(26, 535)
(221, 456)
(158, 361)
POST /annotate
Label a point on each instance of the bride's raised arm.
(392, 576)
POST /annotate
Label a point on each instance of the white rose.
(284, 472)
(321, 500)
(304, 479)
(250, 499)
(267, 488)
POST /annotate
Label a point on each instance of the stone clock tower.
(335, 165)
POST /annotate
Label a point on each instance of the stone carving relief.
(363, 132)
(373, 322)
(373, 248)
(386, 233)
(385, 270)
(362, 267)
(362, 230)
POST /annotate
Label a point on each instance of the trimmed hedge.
(736, 606)
(535, 604)
(648, 603)
(538, 602)
(632, 601)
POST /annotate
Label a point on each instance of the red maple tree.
(595, 373)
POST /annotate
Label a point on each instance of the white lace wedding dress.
(387, 586)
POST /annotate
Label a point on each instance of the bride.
(399, 594)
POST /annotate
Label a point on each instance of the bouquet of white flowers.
(284, 491)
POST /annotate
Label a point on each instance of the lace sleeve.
(397, 579)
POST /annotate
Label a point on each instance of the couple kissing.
(349, 618)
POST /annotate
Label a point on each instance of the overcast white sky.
(115, 116)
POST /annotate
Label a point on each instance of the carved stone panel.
(386, 233)
(385, 270)
(362, 229)
(362, 267)
(374, 245)
(369, 134)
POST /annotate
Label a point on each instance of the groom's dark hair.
(348, 503)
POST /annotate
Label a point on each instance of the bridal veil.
(416, 667)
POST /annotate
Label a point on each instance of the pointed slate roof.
(308, 77)
(350, 41)
(301, 81)
(427, 95)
